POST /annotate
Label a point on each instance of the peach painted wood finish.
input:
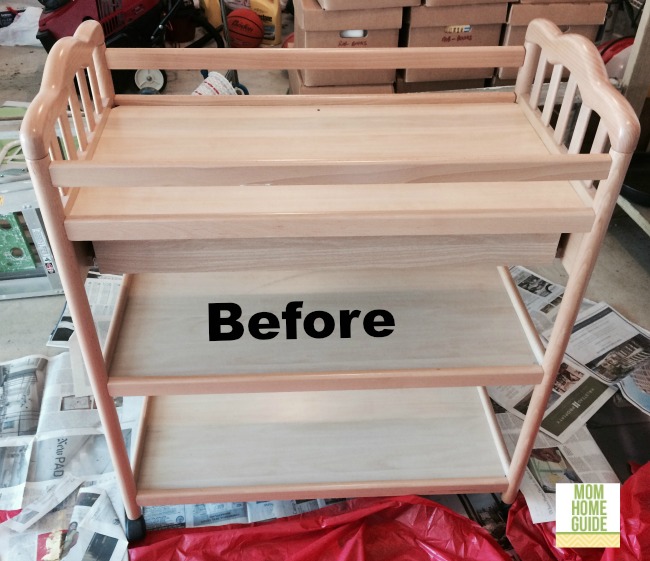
(367, 199)
(618, 128)
(440, 209)
(318, 100)
(510, 168)
(333, 59)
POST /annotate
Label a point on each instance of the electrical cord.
(11, 174)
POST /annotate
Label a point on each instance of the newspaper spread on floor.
(52, 450)
(577, 460)
(218, 514)
(102, 292)
(615, 350)
(583, 385)
(21, 382)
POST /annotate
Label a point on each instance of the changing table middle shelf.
(452, 327)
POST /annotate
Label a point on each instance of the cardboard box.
(402, 86)
(557, 1)
(453, 26)
(438, 3)
(318, 28)
(581, 18)
(311, 17)
(567, 14)
(366, 4)
(297, 87)
(343, 77)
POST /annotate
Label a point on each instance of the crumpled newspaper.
(215, 84)
(22, 31)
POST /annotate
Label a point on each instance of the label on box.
(458, 29)
(456, 34)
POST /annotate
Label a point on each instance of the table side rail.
(317, 100)
(324, 381)
(589, 117)
(86, 173)
(332, 59)
(497, 435)
(75, 96)
(534, 340)
(63, 122)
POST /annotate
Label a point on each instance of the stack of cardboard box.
(425, 23)
(450, 23)
(346, 24)
(576, 16)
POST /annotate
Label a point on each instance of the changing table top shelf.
(314, 133)
(329, 143)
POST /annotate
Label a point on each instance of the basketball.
(245, 28)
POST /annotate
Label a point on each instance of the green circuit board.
(15, 252)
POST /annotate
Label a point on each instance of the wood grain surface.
(290, 443)
(444, 320)
(332, 210)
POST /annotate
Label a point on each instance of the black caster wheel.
(240, 89)
(135, 529)
(504, 509)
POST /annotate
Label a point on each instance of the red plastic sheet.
(536, 542)
(7, 514)
(377, 529)
(635, 519)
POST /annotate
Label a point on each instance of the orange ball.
(245, 28)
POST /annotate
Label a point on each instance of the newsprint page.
(606, 353)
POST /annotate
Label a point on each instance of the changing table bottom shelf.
(328, 444)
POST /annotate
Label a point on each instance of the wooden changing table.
(415, 204)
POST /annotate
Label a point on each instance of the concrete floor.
(622, 276)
